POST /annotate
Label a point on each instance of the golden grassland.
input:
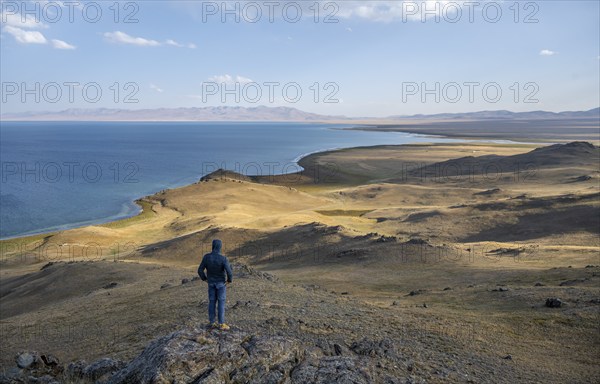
(366, 229)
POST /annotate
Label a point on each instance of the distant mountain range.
(224, 113)
(503, 114)
(262, 113)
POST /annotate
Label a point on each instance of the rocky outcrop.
(244, 271)
(211, 356)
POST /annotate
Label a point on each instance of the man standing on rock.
(219, 275)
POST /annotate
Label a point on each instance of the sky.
(352, 58)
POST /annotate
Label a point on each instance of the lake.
(59, 175)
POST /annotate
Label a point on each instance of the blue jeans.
(216, 292)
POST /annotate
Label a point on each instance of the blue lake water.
(58, 175)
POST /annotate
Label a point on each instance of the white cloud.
(547, 52)
(156, 88)
(179, 45)
(228, 79)
(173, 43)
(243, 80)
(26, 37)
(59, 44)
(23, 29)
(26, 21)
(407, 10)
(371, 10)
(349, 29)
(123, 38)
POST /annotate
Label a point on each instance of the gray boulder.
(27, 360)
(553, 302)
(212, 356)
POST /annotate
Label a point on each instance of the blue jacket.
(216, 265)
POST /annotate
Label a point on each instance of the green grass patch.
(20, 245)
(147, 213)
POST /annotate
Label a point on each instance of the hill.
(354, 270)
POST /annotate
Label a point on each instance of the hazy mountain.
(503, 114)
(224, 113)
(263, 113)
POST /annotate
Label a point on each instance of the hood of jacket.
(217, 245)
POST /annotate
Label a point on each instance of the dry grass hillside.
(449, 251)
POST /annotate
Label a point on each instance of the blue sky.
(374, 58)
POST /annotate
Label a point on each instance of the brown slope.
(571, 155)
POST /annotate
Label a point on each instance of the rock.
(581, 178)
(75, 369)
(416, 292)
(185, 281)
(28, 360)
(507, 251)
(386, 239)
(50, 360)
(311, 287)
(338, 349)
(417, 241)
(46, 379)
(291, 322)
(110, 285)
(352, 253)
(275, 321)
(488, 192)
(507, 357)
(395, 303)
(49, 264)
(102, 368)
(553, 302)
(207, 356)
(366, 347)
(11, 375)
(330, 370)
(165, 285)
(325, 346)
(538, 284)
(249, 304)
(500, 289)
(244, 271)
(51, 365)
(201, 356)
(447, 289)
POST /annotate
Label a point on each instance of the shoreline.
(65, 227)
(457, 136)
(543, 131)
(405, 127)
(302, 161)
